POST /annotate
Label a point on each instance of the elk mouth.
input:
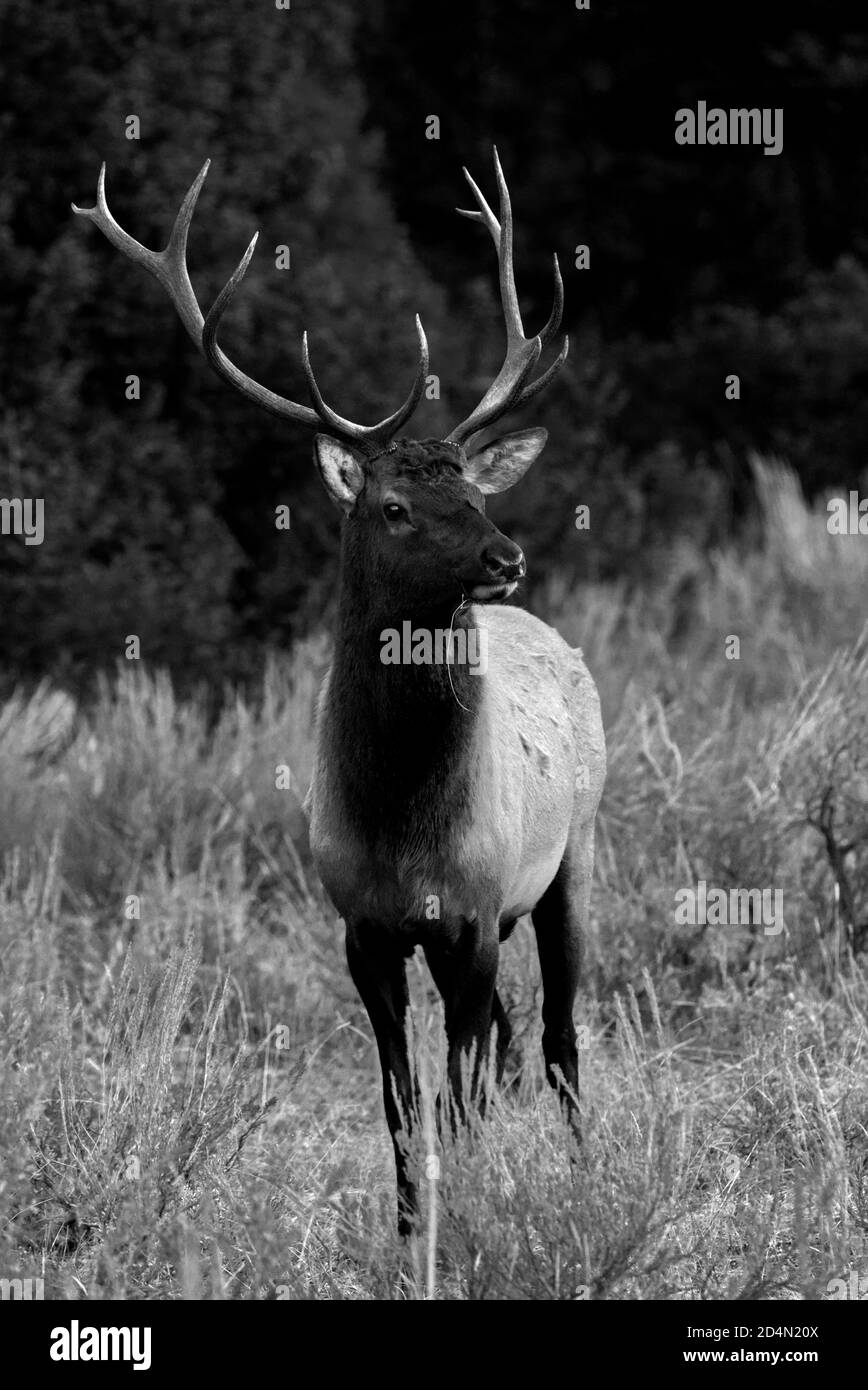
(491, 593)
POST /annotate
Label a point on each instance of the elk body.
(447, 800)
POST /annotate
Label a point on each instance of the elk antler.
(170, 268)
(511, 387)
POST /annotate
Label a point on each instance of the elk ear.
(340, 471)
(499, 465)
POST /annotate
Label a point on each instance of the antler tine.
(514, 326)
(554, 318)
(510, 387)
(169, 267)
(535, 388)
(372, 434)
(501, 235)
(225, 368)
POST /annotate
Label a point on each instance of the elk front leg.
(465, 974)
(379, 973)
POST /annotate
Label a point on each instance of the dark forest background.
(703, 262)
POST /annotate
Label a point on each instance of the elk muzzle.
(504, 565)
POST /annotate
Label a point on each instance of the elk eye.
(393, 512)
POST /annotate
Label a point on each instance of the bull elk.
(436, 783)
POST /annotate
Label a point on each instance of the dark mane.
(422, 459)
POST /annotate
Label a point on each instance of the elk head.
(418, 504)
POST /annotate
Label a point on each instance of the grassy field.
(189, 1097)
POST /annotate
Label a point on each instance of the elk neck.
(401, 736)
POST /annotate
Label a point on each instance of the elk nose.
(503, 559)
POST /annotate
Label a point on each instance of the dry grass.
(189, 1097)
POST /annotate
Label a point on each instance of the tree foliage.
(704, 263)
(160, 511)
